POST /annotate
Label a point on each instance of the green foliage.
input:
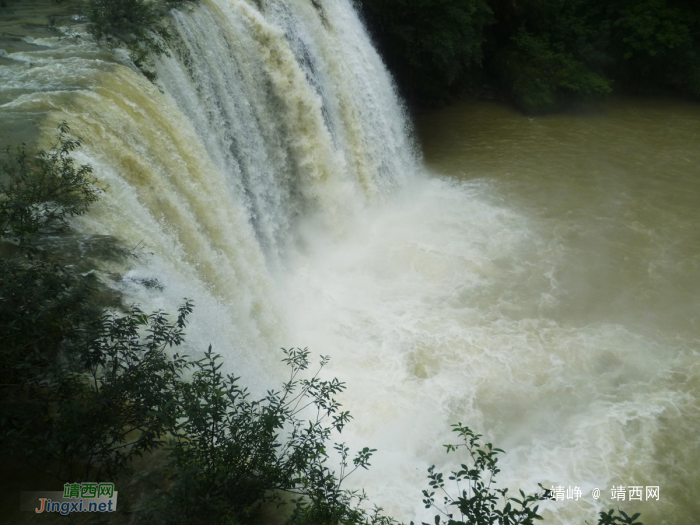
(104, 403)
(479, 503)
(611, 518)
(44, 307)
(39, 192)
(127, 400)
(431, 45)
(230, 454)
(545, 54)
(656, 44)
(137, 25)
(543, 77)
(551, 52)
(651, 28)
(80, 391)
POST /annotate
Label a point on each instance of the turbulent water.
(269, 175)
(595, 308)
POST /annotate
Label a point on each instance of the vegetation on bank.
(84, 391)
(543, 54)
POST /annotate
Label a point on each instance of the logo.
(76, 497)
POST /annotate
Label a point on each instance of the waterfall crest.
(289, 106)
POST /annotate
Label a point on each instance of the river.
(594, 310)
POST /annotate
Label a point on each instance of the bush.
(41, 191)
(94, 410)
(479, 503)
(82, 390)
(544, 78)
(231, 454)
(44, 310)
(45, 307)
(482, 504)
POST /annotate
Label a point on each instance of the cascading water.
(264, 119)
(269, 175)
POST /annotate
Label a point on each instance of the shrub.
(544, 77)
(41, 191)
(45, 307)
(85, 390)
(94, 411)
(230, 454)
(44, 310)
(480, 503)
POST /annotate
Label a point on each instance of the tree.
(45, 307)
(544, 54)
(430, 45)
(76, 386)
(550, 53)
(40, 192)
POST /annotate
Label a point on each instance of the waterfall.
(269, 175)
(268, 119)
(293, 106)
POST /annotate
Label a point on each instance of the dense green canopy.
(543, 53)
